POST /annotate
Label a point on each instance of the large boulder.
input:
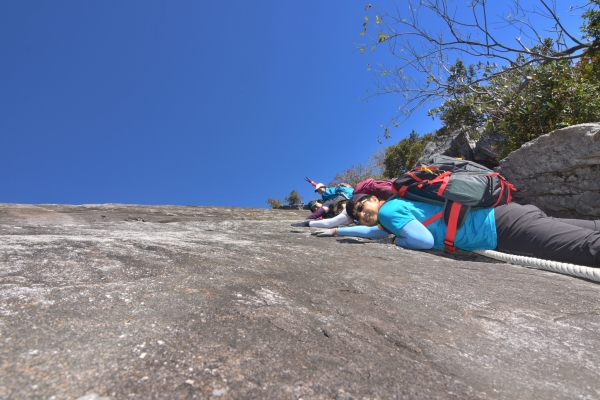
(559, 172)
(456, 144)
(486, 150)
(460, 143)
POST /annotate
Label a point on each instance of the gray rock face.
(116, 301)
(460, 144)
(457, 144)
(559, 172)
(486, 152)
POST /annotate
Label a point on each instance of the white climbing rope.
(555, 266)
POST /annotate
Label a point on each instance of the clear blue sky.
(183, 102)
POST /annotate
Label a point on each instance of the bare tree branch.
(424, 57)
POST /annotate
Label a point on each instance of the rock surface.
(457, 144)
(124, 301)
(559, 172)
(460, 144)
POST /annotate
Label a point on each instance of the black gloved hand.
(301, 223)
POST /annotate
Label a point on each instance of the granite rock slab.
(172, 302)
(559, 172)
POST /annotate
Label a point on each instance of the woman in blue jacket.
(329, 193)
(510, 228)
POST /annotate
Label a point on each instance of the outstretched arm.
(339, 220)
(415, 236)
(372, 232)
(369, 232)
(307, 179)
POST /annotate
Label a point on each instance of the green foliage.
(293, 198)
(274, 203)
(403, 155)
(589, 63)
(544, 82)
(591, 27)
(554, 97)
(526, 102)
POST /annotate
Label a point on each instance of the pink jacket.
(380, 188)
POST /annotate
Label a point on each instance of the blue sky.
(184, 102)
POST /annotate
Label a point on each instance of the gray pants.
(526, 230)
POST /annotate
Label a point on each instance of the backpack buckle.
(449, 245)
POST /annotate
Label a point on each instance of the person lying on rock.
(380, 188)
(322, 208)
(314, 205)
(326, 210)
(510, 228)
(328, 193)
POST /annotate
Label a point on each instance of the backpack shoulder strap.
(454, 215)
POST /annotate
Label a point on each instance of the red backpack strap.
(511, 188)
(502, 187)
(415, 177)
(443, 178)
(402, 191)
(452, 226)
(433, 218)
(505, 186)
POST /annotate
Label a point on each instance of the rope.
(554, 266)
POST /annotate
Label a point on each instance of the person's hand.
(307, 179)
(326, 232)
(301, 223)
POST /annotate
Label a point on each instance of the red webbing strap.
(441, 177)
(415, 177)
(433, 218)
(511, 188)
(502, 187)
(402, 191)
(445, 179)
(452, 226)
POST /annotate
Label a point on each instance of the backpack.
(458, 185)
(333, 192)
(382, 189)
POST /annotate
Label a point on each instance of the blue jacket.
(478, 231)
(331, 193)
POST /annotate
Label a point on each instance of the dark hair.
(312, 203)
(350, 204)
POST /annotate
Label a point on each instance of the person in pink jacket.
(380, 188)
